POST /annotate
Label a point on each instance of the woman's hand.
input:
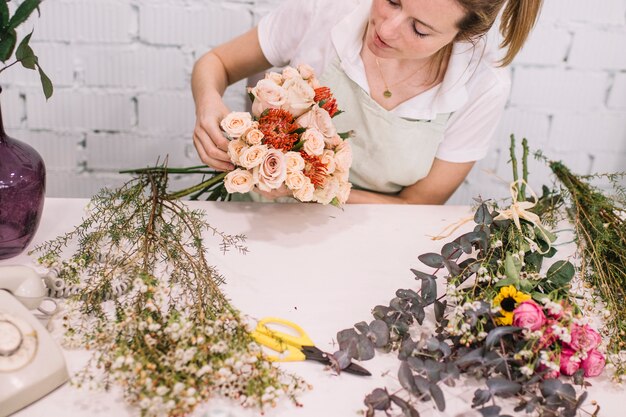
(210, 142)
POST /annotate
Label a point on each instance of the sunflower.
(507, 300)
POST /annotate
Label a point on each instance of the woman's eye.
(418, 33)
(393, 2)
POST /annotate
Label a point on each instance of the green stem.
(514, 162)
(199, 169)
(211, 181)
(522, 190)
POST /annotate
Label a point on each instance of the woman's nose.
(390, 27)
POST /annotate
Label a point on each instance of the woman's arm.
(212, 73)
(440, 183)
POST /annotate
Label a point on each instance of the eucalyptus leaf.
(378, 399)
(465, 243)
(440, 309)
(438, 397)
(365, 349)
(451, 251)
(550, 387)
(422, 275)
(481, 396)
(491, 411)
(342, 358)
(23, 12)
(406, 294)
(344, 337)
(496, 334)
(407, 409)
(502, 387)
(452, 267)
(362, 327)
(378, 333)
(482, 215)
(423, 386)
(406, 379)
(415, 363)
(381, 312)
(418, 312)
(561, 273)
(429, 290)
(434, 260)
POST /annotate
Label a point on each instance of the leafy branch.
(24, 54)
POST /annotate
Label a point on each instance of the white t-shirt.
(474, 89)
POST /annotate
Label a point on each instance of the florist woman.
(422, 87)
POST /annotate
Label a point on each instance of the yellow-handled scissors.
(294, 348)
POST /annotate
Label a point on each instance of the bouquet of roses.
(289, 140)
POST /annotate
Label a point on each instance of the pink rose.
(319, 119)
(569, 365)
(267, 95)
(313, 142)
(300, 96)
(343, 156)
(272, 171)
(548, 337)
(306, 71)
(584, 338)
(529, 315)
(236, 123)
(594, 364)
(238, 181)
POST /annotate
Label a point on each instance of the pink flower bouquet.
(289, 140)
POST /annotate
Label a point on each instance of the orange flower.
(324, 96)
(278, 128)
(314, 169)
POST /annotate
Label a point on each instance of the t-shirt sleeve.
(471, 128)
(282, 30)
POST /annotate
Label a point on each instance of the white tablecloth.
(321, 267)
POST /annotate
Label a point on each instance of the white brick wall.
(121, 70)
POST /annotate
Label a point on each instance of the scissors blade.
(355, 369)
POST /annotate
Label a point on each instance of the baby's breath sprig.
(144, 298)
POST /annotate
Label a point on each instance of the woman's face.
(411, 29)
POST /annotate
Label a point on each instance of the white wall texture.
(121, 70)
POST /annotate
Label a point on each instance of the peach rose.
(343, 156)
(305, 193)
(236, 123)
(319, 119)
(275, 77)
(253, 136)
(306, 71)
(290, 73)
(333, 142)
(328, 159)
(343, 191)
(296, 180)
(238, 181)
(253, 156)
(300, 96)
(294, 161)
(267, 95)
(325, 194)
(272, 171)
(313, 142)
(235, 149)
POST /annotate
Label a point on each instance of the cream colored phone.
(31, 363)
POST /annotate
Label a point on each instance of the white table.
(321, 267)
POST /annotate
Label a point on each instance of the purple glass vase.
(22, 191)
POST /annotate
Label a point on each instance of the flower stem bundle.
(600, 223)
(143, 296)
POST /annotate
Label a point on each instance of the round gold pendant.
(387, 94)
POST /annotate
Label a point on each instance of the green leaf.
(503, 387)
(45, 83)
(483, 216)
(438, 396)
(561, 273)
(512, 266)
(434, 260)
(25, 54)
(23, 12)
(4, 15)
(7, 45)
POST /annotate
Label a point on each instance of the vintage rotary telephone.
(31, 363)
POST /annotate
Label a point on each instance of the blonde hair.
(518, 19)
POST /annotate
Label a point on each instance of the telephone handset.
(31, 363)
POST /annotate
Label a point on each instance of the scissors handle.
(293, 353)
(298, 341)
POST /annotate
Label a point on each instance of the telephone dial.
(31, 363)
